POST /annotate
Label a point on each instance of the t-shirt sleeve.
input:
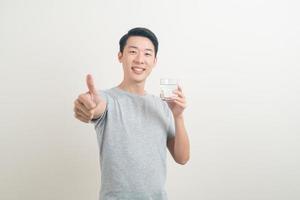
(99, 123)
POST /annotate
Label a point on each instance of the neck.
(136, 88)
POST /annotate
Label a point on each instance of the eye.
(132, 52)
(148, 54)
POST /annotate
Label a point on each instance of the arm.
(179, 146)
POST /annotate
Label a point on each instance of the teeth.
(138, 69)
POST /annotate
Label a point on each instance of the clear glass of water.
(167, 86)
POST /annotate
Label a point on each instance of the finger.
(81, 107)
(183, 105)
(81, 118)
(179, 88)
(179, 93)
(86, 100)
(90, 84)
(181, 100)
(87, 116)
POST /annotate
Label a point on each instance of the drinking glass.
(167, 86)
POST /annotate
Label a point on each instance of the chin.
(138, 78)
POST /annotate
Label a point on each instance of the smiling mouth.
(138, 70)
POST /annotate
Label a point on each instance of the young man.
(135, 128)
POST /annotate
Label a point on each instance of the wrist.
(178, 117)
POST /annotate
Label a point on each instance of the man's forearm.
(181, 145)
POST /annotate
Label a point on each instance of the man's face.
(138, 59)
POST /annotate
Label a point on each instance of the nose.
(139, 58)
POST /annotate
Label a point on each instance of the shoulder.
(107, 94)
(159, 103)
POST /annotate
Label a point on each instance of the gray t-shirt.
(132, 135)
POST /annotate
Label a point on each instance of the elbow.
(183, 161)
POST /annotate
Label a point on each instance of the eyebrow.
(137, 48)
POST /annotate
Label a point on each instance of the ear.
(120, 55)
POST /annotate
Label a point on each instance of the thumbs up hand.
(92, 89)
(89, 105)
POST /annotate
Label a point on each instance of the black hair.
(144, 32)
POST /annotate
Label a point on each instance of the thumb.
(90, 84)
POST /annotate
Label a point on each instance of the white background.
(238, 62)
